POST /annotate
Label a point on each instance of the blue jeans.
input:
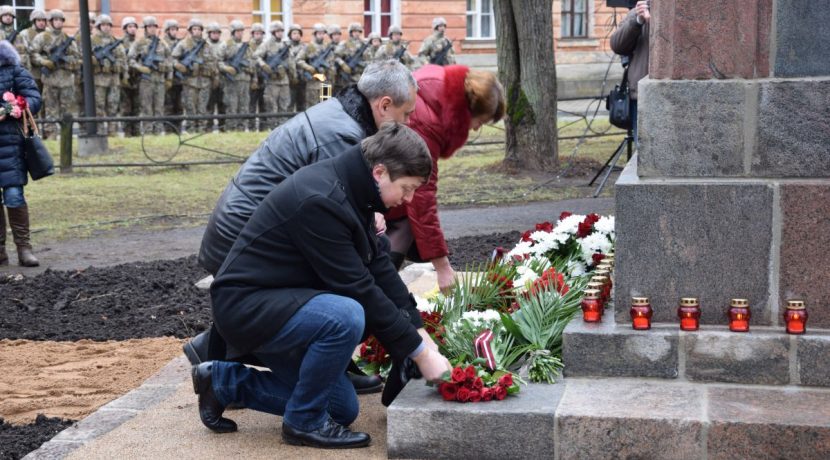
(308, 359)
(12, 197)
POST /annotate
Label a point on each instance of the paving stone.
(801, 38)
(606, 349)
(722, 356)
(814, 359)
(421, 425)
(630, 418)
(172, 374)
(53, 450)
(141, 398)
(753, 423)
(100, 422)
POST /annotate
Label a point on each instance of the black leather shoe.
(196, 349)
(331, 435)
(210, 409)
(365, 384)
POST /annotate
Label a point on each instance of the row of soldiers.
(159, 73)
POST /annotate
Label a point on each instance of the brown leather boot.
(19, 222)
(4, 258)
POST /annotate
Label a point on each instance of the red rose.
(462, 395)
(21, 102)
(500, 392)
(486, 394)
(475, 396)
(526, 235)
(506, 380)
(597, 257)
(458, 375)
(565, 215)
(584, 229)
(448, 391)
(545, 227)
(471, 372)
(478, 384)
(592, 218)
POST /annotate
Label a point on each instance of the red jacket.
(442, 118)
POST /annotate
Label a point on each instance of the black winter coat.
(313, 234)
(14, 78)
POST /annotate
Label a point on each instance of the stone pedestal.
(92, 145)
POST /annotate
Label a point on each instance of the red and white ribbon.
(483, 350)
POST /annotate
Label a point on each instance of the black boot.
(363, 384)
(4, 258)
(331, 435)
(19, 222)
(210, 409)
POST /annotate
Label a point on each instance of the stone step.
(763, 356)
(616, 418)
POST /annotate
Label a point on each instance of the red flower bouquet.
(12, 105)
(476, 383)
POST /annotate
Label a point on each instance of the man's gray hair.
(387, 78)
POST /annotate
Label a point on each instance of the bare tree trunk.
(524, 39)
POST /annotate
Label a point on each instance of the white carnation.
(605, 225)
(423, 304)
(520, 250)
(576, 268)
(569, 224)
(526, 276)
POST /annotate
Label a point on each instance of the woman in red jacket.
(451, 101)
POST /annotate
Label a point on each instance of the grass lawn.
(95, 199)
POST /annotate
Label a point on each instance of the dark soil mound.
(470, 251)
(17, 441)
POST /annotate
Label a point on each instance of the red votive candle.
(605, 292)
(596, 285)
(591, 306)
(795, 316)
(640, 313)
(689, 314)
(739, 315)
(607, 273)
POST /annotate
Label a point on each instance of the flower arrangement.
(12, 105)
(474, 383)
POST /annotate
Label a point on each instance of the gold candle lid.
(604, 266)
(592, 293)
(796, 305)
(639, 301)
(599, 279)
(740, 303)
(689, 302)
(594, 285)
(602, 272)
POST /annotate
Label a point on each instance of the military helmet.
(92, 17)
(319, 27)
(148, 21)
(275, 26)
(127, 21)
(213, 27)
(395, 30)
(296, 27)
(439, 21)
(56, 14)
(37, 13)
(103, 19)
(6, 9)
(373, 36)
(236, 24)
(334, 29)
(355, 26)
(257, 27)
(195, 23)
(170, 23)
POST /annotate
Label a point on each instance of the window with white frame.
(481, 22)
(378, 15)
(268, 11)
(574, 18)
(23, 8)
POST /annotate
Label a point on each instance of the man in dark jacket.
(303, 279)
(631, 39)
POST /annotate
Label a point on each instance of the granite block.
(814, 360)
(790, 423)
(172, 374)
(754, 358)
(710, 39)
(801, 38)
(421, 425)
(628, 418)
(53, 450)
(793, 128)
(691, 128)
(679, 239)
(609, 350)
(100, 422)
(805, 249)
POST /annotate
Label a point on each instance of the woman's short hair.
(387, 78)
(400, 149)
(485, 94)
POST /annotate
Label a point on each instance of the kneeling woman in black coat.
(17, 80)
(302, 282)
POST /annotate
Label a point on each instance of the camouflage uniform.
(129, 83)
(375, 44)
(7, 29)
(28, 36)
(306, 70)
(153, 75)
(392, 48)
(277, 92)
(58, 81)
(435, 44)
(297, 86)
(348, 49)
(257, 102)
(107, 74)
(335, 36)
(237, 91)
(197, 82)
(173, 96)
(216, 94)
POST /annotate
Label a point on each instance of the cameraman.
(631, 39)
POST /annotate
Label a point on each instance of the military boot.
(4, 258)
(19, 222)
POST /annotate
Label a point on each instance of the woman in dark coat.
(17, 80)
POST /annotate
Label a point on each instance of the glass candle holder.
(605, 266)
(609, 259)
(689, 314)
(605, 293)
(739, 315)
(603, 272)
(596, 285)
(591, 306)
(795, 317)
(640, 313)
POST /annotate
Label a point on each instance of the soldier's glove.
(143, 69)
(180, 67)
(265, 67)
(168, 84)
(346, 69)
(228, 69)
(48, 64)
(254, 85)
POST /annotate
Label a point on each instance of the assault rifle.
(151, 59)
(20, 28)
(238, 60)
(191, 58)
(399, 54)
(58, 54)
(104, 52)
(355, 60)
(441, 57)
(276, 60)
(319, 62)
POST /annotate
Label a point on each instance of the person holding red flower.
(20, 87)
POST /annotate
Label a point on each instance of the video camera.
(621, 3)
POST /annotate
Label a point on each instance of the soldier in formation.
(257, 102)
(395, 48)
(38, 18)
(353, 55)
(278, 69)
(173, 96)
(129, 81)
(295, 37)
(237, 66)
(216, 95)
(150, 58)
(437, 49)
(315, 64)
(109, 62)
(196, 64)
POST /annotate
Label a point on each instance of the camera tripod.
(611, 162)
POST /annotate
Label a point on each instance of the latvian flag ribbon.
(483, 350)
